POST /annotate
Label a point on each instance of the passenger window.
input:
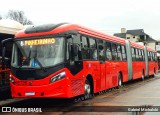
(93, 49)
(155, 56)
(119, 52)
(85, 47)
(142, 55)
(137, 55)
(101, 50)
(133, 54)
(114, 51)
(108, 51)
(124, 57)
(149, 57)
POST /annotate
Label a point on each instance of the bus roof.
(64, 27)
(150, 49)
(133, 44)
(50, 29)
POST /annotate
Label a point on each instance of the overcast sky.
(107, 16)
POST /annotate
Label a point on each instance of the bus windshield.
(37, 53)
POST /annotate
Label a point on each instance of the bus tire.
(119, 80)
(87, 89)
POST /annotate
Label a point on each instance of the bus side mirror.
(74, 50)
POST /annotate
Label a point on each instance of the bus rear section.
(152, 62)
(138, 61)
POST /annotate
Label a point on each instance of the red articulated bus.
(67, 60)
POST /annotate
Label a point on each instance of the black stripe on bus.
(42, 28)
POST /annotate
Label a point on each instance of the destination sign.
(39, 42)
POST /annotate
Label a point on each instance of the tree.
(0, 17)
(18, 16)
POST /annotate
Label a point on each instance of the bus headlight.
(58, 77)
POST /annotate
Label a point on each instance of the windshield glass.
(37, 53)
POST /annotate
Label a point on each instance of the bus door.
(101, 55)
(114, 65)
(109, 65)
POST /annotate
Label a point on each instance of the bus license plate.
(30, 93)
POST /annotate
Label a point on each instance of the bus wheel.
(142, 76)
(87, 89)
(119, 80)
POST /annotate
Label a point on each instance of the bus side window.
(137, 56)
(140, 55)
(93, 49)
(119, 56)
(108, 51)
(114, 51)
(155, 56)
(149, 57)
(152, 57)
(133, 54)
(85, 48)
(76, 40)
(124, 57)
(142, 51)
(101, 50)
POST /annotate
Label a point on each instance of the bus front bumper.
(56, 90)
